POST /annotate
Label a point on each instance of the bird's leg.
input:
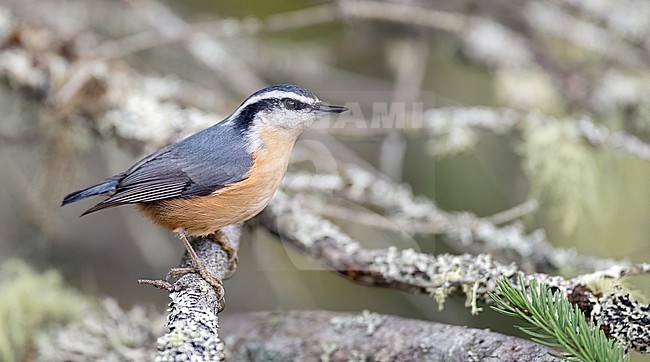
(215, 282)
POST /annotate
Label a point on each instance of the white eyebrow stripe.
(276, 94)
(273, 94)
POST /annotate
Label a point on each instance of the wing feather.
(196, 166)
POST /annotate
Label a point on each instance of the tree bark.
(192, 315)
(332, 336)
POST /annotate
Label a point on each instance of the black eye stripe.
(269, 103)
(293, 104)
(247, 114)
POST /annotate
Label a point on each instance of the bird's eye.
(289, 104)
(293, 105)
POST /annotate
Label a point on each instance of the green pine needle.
(555, 322)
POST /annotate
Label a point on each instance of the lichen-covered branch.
(100, 331)
(294, 219)
(205, 49)
(519, 40)
(70, 326)
(403, 13)
(419, 215)
(192, 315)
(266, 336)
(458, 129)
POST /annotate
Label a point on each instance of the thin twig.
(514, 213)
(403, 13)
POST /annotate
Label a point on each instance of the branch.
(205, 49)
(457, 129)
(367, 336)
(192, 315)
(446, 124)
(76, 327)
(599, 135)
(405, 14)
(442, 276)
(464, 231)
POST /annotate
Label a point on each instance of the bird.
(222, 175)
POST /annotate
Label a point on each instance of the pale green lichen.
(456, 129)
(7, 22)
(530, 88)
(106, 333)
(304, 181)
(471, 294)
(619, 89)
(357, 356)
(193, 324)
(29, 302)
(563, 171)
(495, 44)
(303, 225)
(138, 113)
(440, 295)
(442, 275)
(605, 285)
(582, 35)
(415, 215)
(189, 338)
(370, 321)
(328, 351)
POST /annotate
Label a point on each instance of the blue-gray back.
(196, 166)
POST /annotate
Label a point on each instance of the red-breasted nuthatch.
(222, 175)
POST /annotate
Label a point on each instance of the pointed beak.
(329, 108)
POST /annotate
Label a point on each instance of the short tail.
(104, 188)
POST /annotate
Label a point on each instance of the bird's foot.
(199, 267)
(216, 283)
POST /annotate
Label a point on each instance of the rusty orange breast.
(235, 202)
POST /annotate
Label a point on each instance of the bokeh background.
(559, 61)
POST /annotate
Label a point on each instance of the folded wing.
(196, 166)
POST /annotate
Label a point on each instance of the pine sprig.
(555, 322)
